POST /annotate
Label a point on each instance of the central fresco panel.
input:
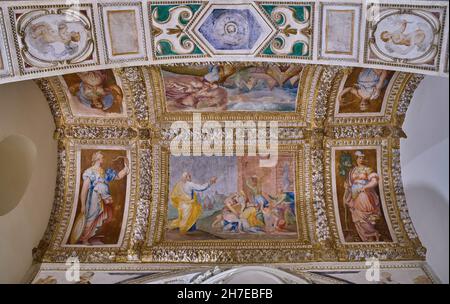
(214, 88)
(231, 203)
(334, 192)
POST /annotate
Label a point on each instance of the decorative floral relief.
(294, 23)
(168, 25)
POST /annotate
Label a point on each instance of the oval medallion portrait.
(404, 36)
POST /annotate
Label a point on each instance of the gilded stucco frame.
(309, 79)
(57, 249)
(157, 249)
(401, 247)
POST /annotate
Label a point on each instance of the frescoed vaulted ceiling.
(335, 78)
(324, 126)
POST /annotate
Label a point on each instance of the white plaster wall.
(425, 169)
(24, 111)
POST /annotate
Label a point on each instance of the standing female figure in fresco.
(361, 197)
(96, 199)
(184, 199)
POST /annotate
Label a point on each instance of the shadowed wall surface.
(425, 172)
(24, 111)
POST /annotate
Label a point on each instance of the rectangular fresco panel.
(214, 88)
(94, 94)
(123, 32)
(358, 195)
(339, 34)
(101, 197)
(231, 197)
(340, 31)
(363, 92)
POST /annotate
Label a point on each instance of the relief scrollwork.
(168, 26)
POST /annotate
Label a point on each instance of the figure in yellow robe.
(184, 199)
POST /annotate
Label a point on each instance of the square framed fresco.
(364, 95)
(97, 97)
(227, 208)
(404, 37)
(52, 37)
(233, 91)
(363, 91)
